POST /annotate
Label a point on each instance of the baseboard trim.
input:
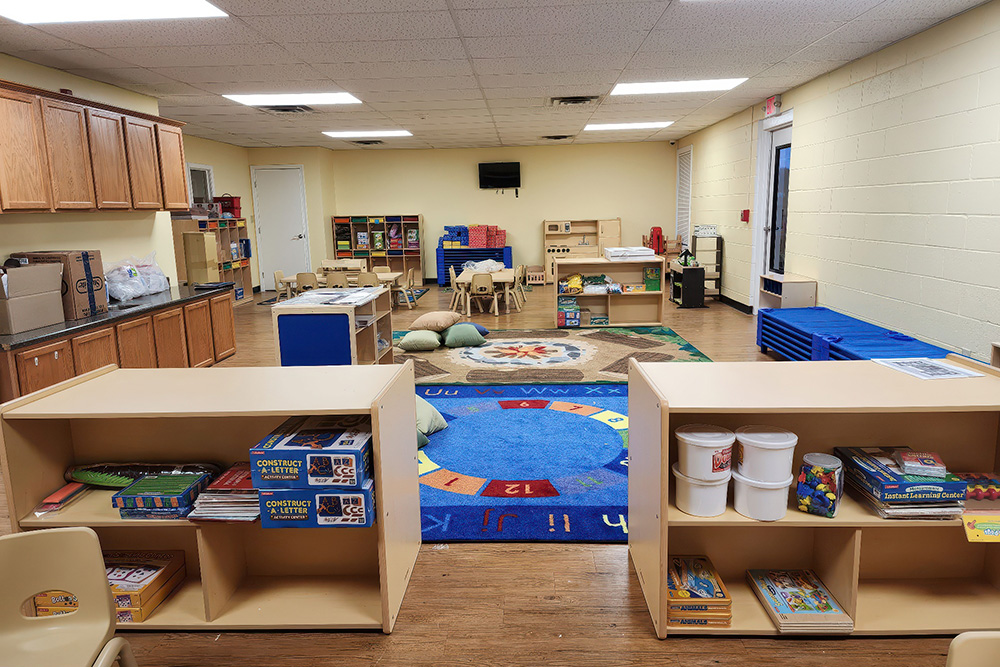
(732, 303)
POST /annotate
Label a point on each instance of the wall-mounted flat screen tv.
(499, 175)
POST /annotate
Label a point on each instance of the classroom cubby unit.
(395, 241)
(239, 576)
(894, 577)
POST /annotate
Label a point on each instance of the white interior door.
(770, 214)
(279, 204)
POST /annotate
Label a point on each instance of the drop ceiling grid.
(471, 72)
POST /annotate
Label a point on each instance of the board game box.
(693, 584)
(318, 451)
(135, 576)
(875, 470)
(797, 601)
(161, 491)
(140, 614)
(315, 508)
(55, 599)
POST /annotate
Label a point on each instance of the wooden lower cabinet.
(40, 367)
(223, 326)
(198, 329)
(94, 350)
(136, 347)
(169, 335)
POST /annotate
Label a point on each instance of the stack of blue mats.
(818, 334)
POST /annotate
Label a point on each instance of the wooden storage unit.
(786, 290)
(572, 239)
(107, 155)
(687, 285)
(216, 254)
(302, 339)
(892, 577)
(400, 259)
(171, 329)
(629, 309)
(239, 576)
(69, 155)
(24, 167)
(708, 251)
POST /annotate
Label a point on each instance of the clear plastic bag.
(124, 281)
(485, 266)
(156, 280)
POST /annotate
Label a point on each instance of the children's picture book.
(412, 238)
(928, 464)
(362, 240)
(693, 582)
(797, 601)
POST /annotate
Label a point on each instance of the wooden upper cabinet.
(69, 155)
(143, 163)
(173, 168)
(107, 156)
(24, 170)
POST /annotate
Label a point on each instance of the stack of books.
(160, 496)
(697, 595)
(798, 602)
(878, 480)
(231, 497)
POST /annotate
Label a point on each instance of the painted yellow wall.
(116, 234)
(633, 181)
(894, 185)
(231, 173)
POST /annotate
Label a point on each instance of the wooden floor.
(484, 605)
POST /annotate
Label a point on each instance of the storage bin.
(763, 501)
(764, 453)
(704, 451)
(699, 497)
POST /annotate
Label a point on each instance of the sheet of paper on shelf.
(928, 369)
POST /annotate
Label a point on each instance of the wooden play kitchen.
(892, 577)
(239, 576)
(577, 239)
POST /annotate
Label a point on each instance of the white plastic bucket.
(705, 451)
(699, 497)
(764, 453)
(763, 501)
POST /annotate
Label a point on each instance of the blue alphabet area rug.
(534, 463)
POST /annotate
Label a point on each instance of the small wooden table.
(286, 284)
(503, 278)
(389, 277)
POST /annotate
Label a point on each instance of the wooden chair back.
(336, 279)
(278, 277)
(367, 279)
(381, 269)
(454, 277)
(306, 281)
(482, 284)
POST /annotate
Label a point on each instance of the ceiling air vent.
(574, 100)
(557, 137)
(287, 109)
(368, 142)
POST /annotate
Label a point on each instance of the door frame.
(256, 208)
(762, 197)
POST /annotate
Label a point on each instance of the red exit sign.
(772, 105)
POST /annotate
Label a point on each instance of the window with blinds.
(683, 217)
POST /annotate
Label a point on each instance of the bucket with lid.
(704, 451)
(763, 501)
(699, 497)
(765, 453)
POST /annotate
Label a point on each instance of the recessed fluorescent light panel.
(291, 99)
(74, 11)
(628, 126)
(653, 87)
(362, 134)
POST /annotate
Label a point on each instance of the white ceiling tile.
(195, 56)
(317, 85)
(789, 35)
(110, 34)
(126, 76)
(879, 31)
(387, 51)
(422, 96)
(375, 27)
(427, 83)
(599, 80)
(165, 88)
(398, 69)
(552, 64)
(546, 91)
(280, 7)
(430, 105)
(241, 73)
(555, 45)
(73, 59)
(896, 10)
(500, 4)
(567, 19)
(18, 37)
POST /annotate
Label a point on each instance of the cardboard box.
(317, 508)
(309, 452)
(140, 614)
(56, 599)
(30, 298)
(84, 292)
(136, 576)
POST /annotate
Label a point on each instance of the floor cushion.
(483, 331)
(421, 440)
(421, 341)
(429, 420)
(438, 320)
(462, 335)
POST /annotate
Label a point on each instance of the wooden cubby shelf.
(239, 575)
(892, 576)
(628, 309)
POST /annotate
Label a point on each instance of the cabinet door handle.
(36, 361)
(57, 356)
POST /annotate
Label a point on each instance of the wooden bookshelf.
(403, 258)
(349, 333)
(628, 309)
(234, 269)
(239, 576)
(892, 576)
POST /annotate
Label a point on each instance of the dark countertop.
(143, 304)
